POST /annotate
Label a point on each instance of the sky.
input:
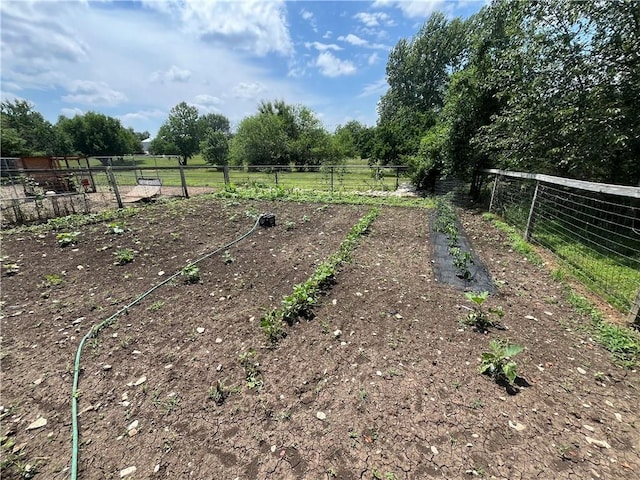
(135, 60)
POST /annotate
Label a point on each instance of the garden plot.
(383, 382)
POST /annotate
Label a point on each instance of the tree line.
(277, 134)
(25, 132)
(548, 87)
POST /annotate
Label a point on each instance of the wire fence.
(35, 195)
(594, 229)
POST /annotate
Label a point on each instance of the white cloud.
(31, 33)
(413, 9)
(321, 47)
(360, 42)
(72, 112)
(254, 25)
(207, 100)
(375, 19)
(376, 88)
(373, 58)
(353, 40)
(141, 115)
(250, 90)
(331, 66)
(327, 34)
(93, 93)
(306, 15)
(174, 74)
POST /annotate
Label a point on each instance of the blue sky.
(135, 60)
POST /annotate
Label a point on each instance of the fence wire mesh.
(595, 235)
(32, 195)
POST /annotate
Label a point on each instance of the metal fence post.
(275, 170)
(114, 184)
(397, 177)
(184, 183)
(531, 220)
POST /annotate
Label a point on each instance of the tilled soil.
(382, 383)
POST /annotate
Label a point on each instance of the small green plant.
(252, 373)
(53, 279)
(306, 219)
(117, 228)
(219, 392)
(290, 225)
(332, 472)
(175, 236)
(273, 326)
(67, 238)
(168, 405)
(124, 256)
(191, 272)
(155, 306)
(480, 319)
(10, 269)
(559, 275)
(497, 362)
(228, 259)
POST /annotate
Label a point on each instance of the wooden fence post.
(531, 219)
(225, 172)
(185, 192)
(114, 184)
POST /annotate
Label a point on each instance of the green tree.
(215, 147)
(215, 122)
(96, 134)
(182, 131)
(260, 140)
(24, 130)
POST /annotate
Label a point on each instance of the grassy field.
(356, 175)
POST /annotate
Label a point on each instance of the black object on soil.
(445, 272)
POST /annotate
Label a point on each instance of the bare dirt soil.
(382, 383)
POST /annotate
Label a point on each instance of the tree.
(25, 130)
(181, 130)
(292, 134)
(215, 148)
(213, 122)
(260, 140)
(96, 134)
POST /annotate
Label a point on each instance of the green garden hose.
(105, 323)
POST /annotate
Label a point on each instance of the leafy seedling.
(498, 364)
(219, 392)
(252, 373)
(124, 256)
(67, 238)
(273, 327)
(191, 273)
(480, 318)
(116, 228)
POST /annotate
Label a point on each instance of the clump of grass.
(622, 342)
(518, 244)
